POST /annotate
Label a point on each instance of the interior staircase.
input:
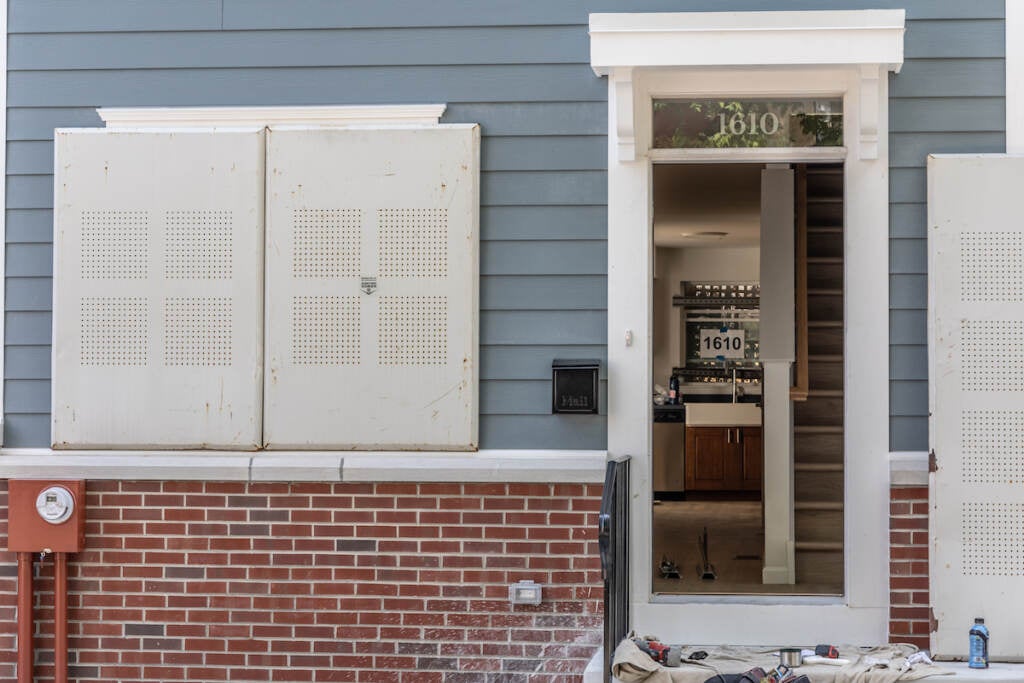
(818, 420)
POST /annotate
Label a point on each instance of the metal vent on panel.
(199, 245)
(114, 330)
(413, 242)
(991, 266)
(326, 242)
(326, 330)
(992, 538)
(412, 330)
(198, 331)
(991, 446)
(992, 355)
(115, 245)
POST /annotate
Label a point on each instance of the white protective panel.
(976, 359)
(158, 285)
(372, 288)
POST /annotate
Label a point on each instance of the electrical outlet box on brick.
(46, 515)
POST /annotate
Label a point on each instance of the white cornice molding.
(679, 39)
(212, 117)
(623, 45)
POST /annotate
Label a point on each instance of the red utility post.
(44, 516)
(25, 622)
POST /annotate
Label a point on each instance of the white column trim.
(869, 110)
(625, 117)
(1014, 76)
(566, 466)
(798, 54)
(207, 117)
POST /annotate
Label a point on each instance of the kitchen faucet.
(737, 391)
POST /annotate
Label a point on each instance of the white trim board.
(644, 62)
(211, 117)
(528, 466)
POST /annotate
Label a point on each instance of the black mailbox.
(574, 385)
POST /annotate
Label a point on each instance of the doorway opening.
(715, 460)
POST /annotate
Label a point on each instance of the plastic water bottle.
(979, 645)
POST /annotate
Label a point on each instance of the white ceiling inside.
(694, 203)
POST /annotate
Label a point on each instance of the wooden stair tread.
(825, 260)
(818, 466)
(817, 429)
(825, 505)
(825, 200)
(825, 229)
(825, 292)
(819, 546)
(824, 323)
(825, 358)
(826, 393)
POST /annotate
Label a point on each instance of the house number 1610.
(741, 124)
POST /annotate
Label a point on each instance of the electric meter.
(55, 504)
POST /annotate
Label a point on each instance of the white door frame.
(674, 55)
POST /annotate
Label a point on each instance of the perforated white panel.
(197, 330)
(372, 288)
(200, 245)
(992, 266)
(412, 330)
(114, 330)
(325, 330)
(326, 242)
(993, 355)
(158, 281)
(413, 242)
(976, 400)
(115, 244)
(992, 539)
(991, 442)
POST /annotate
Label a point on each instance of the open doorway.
(708, 433)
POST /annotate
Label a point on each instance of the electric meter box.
(45, 515)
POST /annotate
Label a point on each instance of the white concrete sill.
(999, 671)
(526, 466)
(908, 468)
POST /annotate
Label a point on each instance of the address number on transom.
(721, 343)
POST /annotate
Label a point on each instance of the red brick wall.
(323, 582)
(908, 565)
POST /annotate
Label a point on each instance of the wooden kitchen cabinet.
(723, 459)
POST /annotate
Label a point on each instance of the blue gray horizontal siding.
(520, 69)
(949, 97)
(543, 183)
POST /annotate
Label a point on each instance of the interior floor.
(735, 546)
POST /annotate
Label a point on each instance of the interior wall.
(671, 266)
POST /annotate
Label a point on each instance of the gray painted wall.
(517, 67)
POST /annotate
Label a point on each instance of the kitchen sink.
(723, 414)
